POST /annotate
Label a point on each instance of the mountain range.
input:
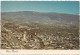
(40, 17)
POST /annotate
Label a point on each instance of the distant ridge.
(43, 17)
(41, 12)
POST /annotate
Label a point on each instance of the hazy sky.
(48, 6)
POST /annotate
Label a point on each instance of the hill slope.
(40, 17)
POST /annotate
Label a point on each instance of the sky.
(41, 6)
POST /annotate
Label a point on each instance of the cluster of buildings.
(38, 37)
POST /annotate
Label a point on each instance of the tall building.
(24, 35)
